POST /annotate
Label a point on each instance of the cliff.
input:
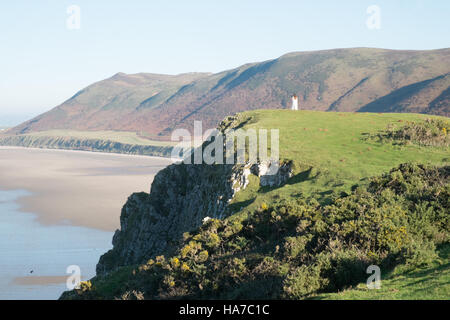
(341, 201)
(72, 143)
(182, 196)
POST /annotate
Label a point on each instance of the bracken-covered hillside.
(359, 79)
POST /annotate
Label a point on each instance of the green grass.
(331, 153)
(429, 283)
(116, 136)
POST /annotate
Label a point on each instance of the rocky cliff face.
(181, 197)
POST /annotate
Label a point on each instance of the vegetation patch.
(431, 132)
(423, 283)
(296, 249)
(317, 233)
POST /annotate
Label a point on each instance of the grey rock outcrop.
(181, 197)
(271, 175)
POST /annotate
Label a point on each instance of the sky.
(49, 50)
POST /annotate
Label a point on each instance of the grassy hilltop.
(366, 189)
(333, 151)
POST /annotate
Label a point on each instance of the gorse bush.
(431, 132)
(295, 248)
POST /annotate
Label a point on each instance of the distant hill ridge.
(357, 79)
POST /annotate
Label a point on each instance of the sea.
(40, 262)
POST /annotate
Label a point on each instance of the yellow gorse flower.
(175, 262)
(185, 267)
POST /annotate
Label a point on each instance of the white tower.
(294, 102)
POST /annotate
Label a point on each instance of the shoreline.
(41, 280)
(2, 147)
(77, 188)
(36, 257)
(84, 144)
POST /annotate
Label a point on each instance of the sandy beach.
(78, 188)
(43, 280)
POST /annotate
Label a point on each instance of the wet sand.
(77, 188)
(40, 280)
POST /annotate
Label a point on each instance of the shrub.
(294, 246)
(348, 267)
(420, 253)
(297, 248)
(431, 132)
(303, 281)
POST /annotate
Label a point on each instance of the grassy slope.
(431, 282)
(330, 151)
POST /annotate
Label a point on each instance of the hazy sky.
(43, 62)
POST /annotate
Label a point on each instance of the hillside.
(359, 79)
(353, 190)
(424, 283)
(106, 103)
